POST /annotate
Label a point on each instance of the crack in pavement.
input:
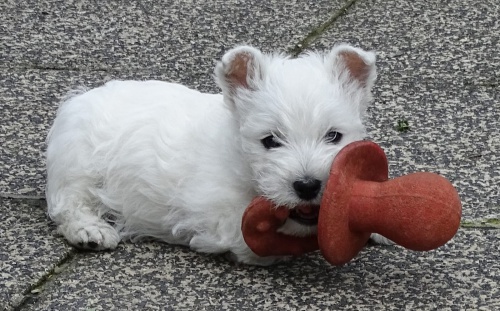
(319, 30)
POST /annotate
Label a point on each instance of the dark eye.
(333, 137)
(270, 142)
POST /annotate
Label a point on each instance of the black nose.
(307, 189)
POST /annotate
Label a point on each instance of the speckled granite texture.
(181, 39)
(439, 68)
(462, 275)
(29, 248)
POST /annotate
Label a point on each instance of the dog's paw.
(252, 259)
(379, 239)
(95, 236)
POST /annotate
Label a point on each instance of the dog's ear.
(240, 67)
(353, 64)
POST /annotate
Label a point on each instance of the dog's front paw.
(96, 236)
(379, 239)
(252, 259)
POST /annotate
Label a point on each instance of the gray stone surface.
(439, 68)
(29, 249)
(462, 275)
(454, 41)
(49, 47)
(180, 38)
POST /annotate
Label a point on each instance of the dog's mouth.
(306, 214)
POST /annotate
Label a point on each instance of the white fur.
(163, 161)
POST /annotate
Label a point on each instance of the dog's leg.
(73, 177)
(71, 203)
(79, 223)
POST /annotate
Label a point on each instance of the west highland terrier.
(132, 160)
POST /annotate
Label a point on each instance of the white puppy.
(152, 159)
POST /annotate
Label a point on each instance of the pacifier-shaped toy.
(419, 211)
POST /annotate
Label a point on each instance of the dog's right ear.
(240, 67)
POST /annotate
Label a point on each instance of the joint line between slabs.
(319, 30)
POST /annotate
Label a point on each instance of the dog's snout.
(307, 189)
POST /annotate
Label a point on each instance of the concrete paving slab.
(459, 276)
(439, 68)
(29, 249)
(453, 41)
(49, 47)
(176, 36)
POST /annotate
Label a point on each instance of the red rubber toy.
(419, 211)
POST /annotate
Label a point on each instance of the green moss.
(481, 223)
(402, 125)
(38, 287)
(468, 224)
(493, 221)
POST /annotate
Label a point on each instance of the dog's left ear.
(240, 67)
(353, 64)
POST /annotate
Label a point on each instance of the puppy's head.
(295, 115)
